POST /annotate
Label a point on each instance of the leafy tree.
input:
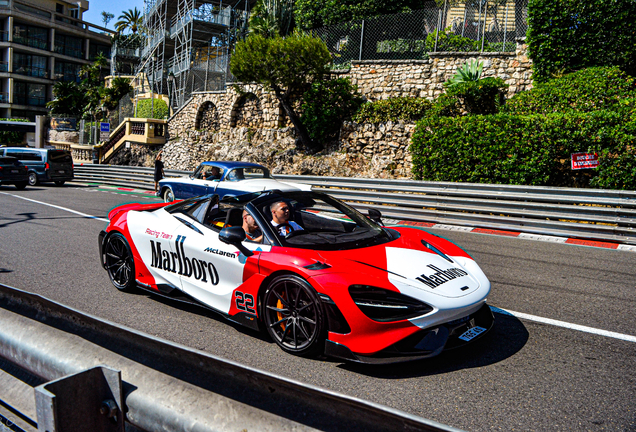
(270, 18)
(113, 94)
(326, 104)
(570, 35)
(129, 20)
(285, 65)
(68, 99)
(92, 83)
(106, 17)
(311, 14)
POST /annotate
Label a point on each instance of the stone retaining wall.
(248, 123)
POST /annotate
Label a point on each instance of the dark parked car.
(44, 165)
(12, 171)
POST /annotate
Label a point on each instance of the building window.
(67, 71)
(29, 94)
(70, 46)
(96, 49)
(59, 8)
(30, 65)
(36, 37)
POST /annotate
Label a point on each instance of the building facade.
(43, 42)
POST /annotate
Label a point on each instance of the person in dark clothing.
(158, 170)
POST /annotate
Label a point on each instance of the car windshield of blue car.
(327, 223)
(238, 174)
(208, 172)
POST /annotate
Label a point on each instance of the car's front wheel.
(294, 316)
(119, 262)
(168, 195)
(33, 179)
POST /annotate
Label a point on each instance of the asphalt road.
(525, 375)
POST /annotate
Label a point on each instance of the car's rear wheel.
(33, 179)
(294, 316)
(119, 262)
(21, 185)
(59, 182)
(168, 195)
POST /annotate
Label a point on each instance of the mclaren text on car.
(223, 178)
(337, 282)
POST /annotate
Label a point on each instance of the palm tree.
(131, 19)
(271, 18)
(106, 17)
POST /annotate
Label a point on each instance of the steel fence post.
(361, 41)
(483, 39)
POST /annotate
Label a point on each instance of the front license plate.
(472, 333)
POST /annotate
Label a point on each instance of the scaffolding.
(187, 45)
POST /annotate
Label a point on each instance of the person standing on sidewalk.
(158, 171)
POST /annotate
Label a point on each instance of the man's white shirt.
(283, 229)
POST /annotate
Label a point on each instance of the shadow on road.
(507, 337)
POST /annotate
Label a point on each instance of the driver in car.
(280, 218)
(213, 174)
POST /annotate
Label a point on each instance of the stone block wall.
(248, 124)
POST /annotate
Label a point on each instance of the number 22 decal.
(245, 302)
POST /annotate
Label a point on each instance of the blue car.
(223, 178)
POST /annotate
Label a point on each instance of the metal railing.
(584, 213)
(101, 374)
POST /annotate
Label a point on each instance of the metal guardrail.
(584, 213)
(77, 372)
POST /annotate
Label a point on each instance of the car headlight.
(384, 306)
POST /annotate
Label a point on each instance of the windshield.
(319, 221)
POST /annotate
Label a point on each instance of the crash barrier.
(584, 213)
(67, 371)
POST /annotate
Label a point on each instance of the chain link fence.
(474, 26)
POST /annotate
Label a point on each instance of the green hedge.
(527, 149)
(568, 35)
(145, 109)
(586, 90)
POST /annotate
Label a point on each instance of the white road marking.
(540, 237)
(564, 324)
(58, 207)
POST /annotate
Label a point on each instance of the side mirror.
(375, 216)
(235, 236)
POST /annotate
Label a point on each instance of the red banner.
(584, 160)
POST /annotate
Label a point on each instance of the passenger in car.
(252, 232)
(280, 218)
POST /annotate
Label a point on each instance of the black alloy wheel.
(119, 262)
(33, 179)
(293, 316)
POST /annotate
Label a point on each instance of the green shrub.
(526, 149)
(572, 34)
(500, 47)
(587, 90)
(393, 109)
(445, 106)
(484, 96)
(145, 109)
(326, 104)
(450, 42)
(9, 138)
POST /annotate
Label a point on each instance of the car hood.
(412, 269)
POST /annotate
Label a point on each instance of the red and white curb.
(518, 234)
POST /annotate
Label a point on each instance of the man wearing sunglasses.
(280, 218)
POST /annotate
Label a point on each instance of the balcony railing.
(32, 42)
(29, 100)
(31, 71)
(69, 51)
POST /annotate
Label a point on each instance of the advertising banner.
(584, 160)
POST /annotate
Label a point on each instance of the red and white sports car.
(338, 283)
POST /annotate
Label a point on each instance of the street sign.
(104, 131)
(584, 160)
